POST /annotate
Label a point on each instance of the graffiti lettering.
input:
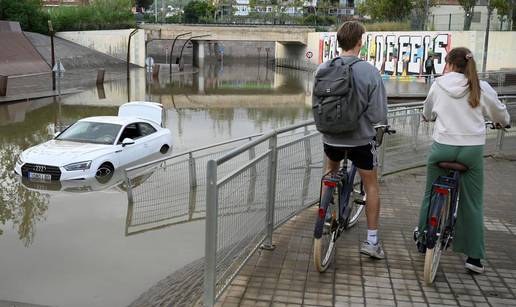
(403, 53)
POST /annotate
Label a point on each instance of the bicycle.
(442, 215)
(334, 217)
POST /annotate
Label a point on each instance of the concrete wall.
(111, 42)
(416, 45)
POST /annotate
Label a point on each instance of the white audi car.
(94, 147)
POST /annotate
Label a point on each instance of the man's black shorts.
(364, 157)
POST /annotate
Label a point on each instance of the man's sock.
(372, 236)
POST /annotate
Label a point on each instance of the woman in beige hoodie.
(459, 103)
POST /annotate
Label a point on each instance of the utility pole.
(425, 20)
(52, 54)
(156, 11)
(486, 40)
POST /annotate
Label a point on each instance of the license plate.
(40, 176)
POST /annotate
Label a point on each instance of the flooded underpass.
(69, 243)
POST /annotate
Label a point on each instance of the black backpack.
(334, 103)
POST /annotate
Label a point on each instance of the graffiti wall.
(395, 53)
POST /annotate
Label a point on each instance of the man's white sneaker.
(372, 250)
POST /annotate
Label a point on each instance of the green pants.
(469, 228)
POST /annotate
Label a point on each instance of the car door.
(149, 137)
(130, 154)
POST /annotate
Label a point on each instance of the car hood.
(60, 153)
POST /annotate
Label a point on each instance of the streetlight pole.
(156, 11)
(425, 20)
(486, 40)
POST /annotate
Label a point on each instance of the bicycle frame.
(448, 187)
(340, 181)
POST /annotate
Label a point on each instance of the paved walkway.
(287, 277)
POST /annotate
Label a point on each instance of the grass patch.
(388, 26)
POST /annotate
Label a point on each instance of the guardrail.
(244, 206)
(253, 184)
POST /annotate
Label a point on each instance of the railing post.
(415, 121)
(271, 191)
(381, 158)
(499, 140)
(192, 170)
(210, 262)
(308, 148)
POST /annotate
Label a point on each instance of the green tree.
(468, 6)
(421, 9)
(503, 8)
(28, 13)
(389, 10)
(198, 10)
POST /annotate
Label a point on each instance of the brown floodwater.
(65, 243)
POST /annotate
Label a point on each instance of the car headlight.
(19, 161)
(78, 166)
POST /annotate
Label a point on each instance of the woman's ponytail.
(462, 59)
(474, 84)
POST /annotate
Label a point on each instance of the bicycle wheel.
(326, 226)
(357, 198)
(437, 222)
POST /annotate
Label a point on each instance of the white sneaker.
(372, 250)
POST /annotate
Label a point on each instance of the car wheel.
(164, 149)
(104, 172)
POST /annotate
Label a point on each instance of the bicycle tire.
(325, 233)
(434, 249)
(356, 199)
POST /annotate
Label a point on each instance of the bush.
(319, 20)
(99, 15)
(28, 13)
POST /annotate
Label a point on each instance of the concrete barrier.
(111, 42)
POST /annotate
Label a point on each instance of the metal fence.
(172, 190)
(245, 188)
(245, 206)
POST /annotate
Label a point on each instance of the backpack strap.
(342, 62)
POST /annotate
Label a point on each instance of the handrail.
(235, 152)
(191, 151)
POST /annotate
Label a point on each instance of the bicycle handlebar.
(493, 126)
(385, 128)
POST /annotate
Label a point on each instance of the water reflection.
(89, 226)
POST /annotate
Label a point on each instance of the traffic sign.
(58, 67)
(309, 54)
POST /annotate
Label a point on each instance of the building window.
(476, 17)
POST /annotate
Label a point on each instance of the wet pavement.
(287, 276)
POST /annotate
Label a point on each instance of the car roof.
(113, 120)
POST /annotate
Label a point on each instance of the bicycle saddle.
(456, 166)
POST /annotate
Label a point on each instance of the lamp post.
(486, 40)
(53, 59)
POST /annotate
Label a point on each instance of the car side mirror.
(127, 141)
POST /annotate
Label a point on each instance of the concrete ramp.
(17, 55)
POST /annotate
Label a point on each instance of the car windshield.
(90, 132)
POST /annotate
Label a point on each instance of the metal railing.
(244, 206)
(172, 190)
(253, 184)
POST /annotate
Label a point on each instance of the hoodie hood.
(454, 84)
